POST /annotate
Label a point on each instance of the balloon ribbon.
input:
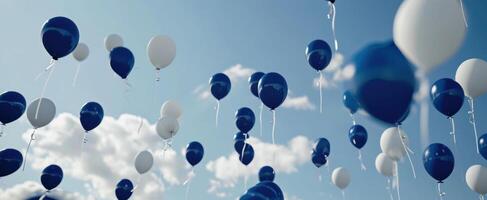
(472, 121)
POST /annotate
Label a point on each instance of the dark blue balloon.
(60, 36)
(239, 145)
(10, 161)
(358, 136)
(122, 61)
(438, 161)
(262, 192)
(272, 90)
(124, 189)
(350, 102)
(266, 173)
(194, 153)
(273, 186)
(248, 155)
(447, 96)
(51, 176)
(12, 106)
(240, 136)
(220, 85)
(483, 146)
(245, 119)
(384, 81)
(254, 83)
(322, 146)
(318, 54)
(91, 115)
(318, 159)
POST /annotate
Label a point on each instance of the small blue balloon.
(358, 136)
(318, 54)
(122, 61)
(91, 115)
(447, 96)
(51, 176)
(266, 173)
(273, 186)
(194, 153)
(483, 146)
(322, 146)
(220, 85)
(350, 102)
(262, 192)
(272, 90)
(438, 161)
(248, 155)
(245, 119)
(60, 36)
(239, 145)
(10, 161)
(254, 83)
(240, 136)
(124, 189)
(318, 159)
(12, 106)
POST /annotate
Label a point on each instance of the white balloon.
(341, 177)
(429, 32)
(391, 144)
(471, 76)
(81, 52)
(167, 127)
(113, 41)
(47, 111)
(144, 162)
(476, 178)
(385, 165)
(161, 51)
(171, 108)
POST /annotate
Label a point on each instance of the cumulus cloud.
(298, 103)
(31, 189)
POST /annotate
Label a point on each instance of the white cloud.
(31, 189)
(336, 71)
(298, 103)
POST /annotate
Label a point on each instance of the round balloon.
(322, 146)
(161, 51)
(273, 186)
(476, 178)
(483, 146)
(447, 96)
(167, 127)
(272, 90)
(384, 165)
(391, 143)
(91, 115)
(60, 36)
(194, 153)
(171, 108)
(266, 173)
(122, 61)
(470, 75)
(47, 111)
(81, 52)
(245, 119)
(438, 161)
(144, 162)
(318, 159)
(10, 161)
(318, 54)
(51, 176)
(112, 41)
(350, 102)
(12, 106)
(341, 178)
(240, 136)
(124, 189)
(220, 85)
(263, 192)
(358, 136)
(248, 155)
(254, 83)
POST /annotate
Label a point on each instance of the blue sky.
(212, 37)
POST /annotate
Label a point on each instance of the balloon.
(161, 51)
(81, 52)
(12, 106)
(240, 136)
(167, 127)
(254, 83)
(384, 81)
(272, 90)
(10, 161)
(248, 155)
(476, 178)
(194, 153)
(358, 136)
(144, 162)
(112, 41)
(171, 108)
(263, 192)
(273, 186)
(220, 85)
(470, 75)
(350, 102)
(384, 165)
(60, 36)
(47, 111)
(318, 54)
(318, 159)
(322, 146)
(429, 32)
(266, 173)
(245, 119)
(253, 196)
(239, 139)
(438, 161)
(122, 61)
(391, 144)
(51, 176)
(340, 177)
(91, 115)
(483, 146)
(124, 189)
(447, 96)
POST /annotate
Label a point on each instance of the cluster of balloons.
(266, 189)
(320, 152)
(244, 120)
(168, 124)
(254, 89)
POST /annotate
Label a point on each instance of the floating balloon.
(391, 143)
(220, 85)
(171, 108)
(260, 192)
(254, 83)
(81, 52)
(438, 161)
(144, 162)
(167, 127)
(60, 36)
(161, 51)
(12, 106)
(124, 189)
(122, 61)
(483, 146)
(10, 161)
(247, 156)
(476, 178)
(47, 111)
(272, 90)
(318, 53)
(266, 173)
(112, 41)
(245, 119)
(239, 139)
(318, 159)
(384, 165)
(194, 153)
(91, 115)
(273, 186)
(447, 96)
(341, 178)
(51, 176)
(358, 136)
(350, 102)
(322, 147)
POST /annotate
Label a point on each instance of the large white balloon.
(172, 109)
(429, 32)
(47, 111)
(385, 165)
(471, 76)
(391, 144)
(167, 127)
(476, 178)
(81, 52)
(161, 51)
(112, 41)
(341, 177)
(144, 162)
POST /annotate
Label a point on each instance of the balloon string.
(320, 178)
(217, 112)
(49, 68)
(83, 142)
(463, 13)
(397, 181)
(481, 197)
(407, 149)
(140, 125)
(440, 193)
(51, 63)
(353, 119)
(331, 14)
(321, 79)
(158, 74)
(137, 183)
(28, 147)
(246, 179)
(187, 182)
(243, 150)
(127, 85)
(452, 133)
(44, 195)
(362, 165)
(260, 117)
(273, 126)
(343, 194)
(75, 78)
(388, 188)
(472, 121)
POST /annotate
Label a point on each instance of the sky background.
(237, 37)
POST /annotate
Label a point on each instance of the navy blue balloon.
(60, 36)
(239, 145)
(254, 83)
(51, 176)
(322, 146)
(91, 115)
(263, 192)
(194, 153)
(12, 106)
(350, 102)
(483, 146)
(273, 186)
(122, 61)
(240, 136)
(220, 85)
(358, 136)
(438, 161)
(318, 159)
(318, 54)
(252, 196)
(266, 173)
(384, 81)
(10, 161)
(248, 155)
(447, 96)
(272, 90)
(124, 189)
(245, 119)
